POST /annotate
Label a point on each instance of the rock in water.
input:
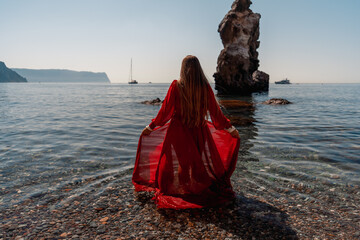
(8, 75)
(155, 101)
(238, 61)
(260, 81)
(277, 101)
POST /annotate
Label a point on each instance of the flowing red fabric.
(186, 167)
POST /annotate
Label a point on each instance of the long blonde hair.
(193, 87)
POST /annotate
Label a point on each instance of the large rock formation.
(8, 75)
(238, 61)
(62, 75)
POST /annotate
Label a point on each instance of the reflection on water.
(304, 144)
(240, 111)
(53, 136)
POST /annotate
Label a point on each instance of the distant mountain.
(8, 75)
(62, 75)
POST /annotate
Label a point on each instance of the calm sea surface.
(55, 135)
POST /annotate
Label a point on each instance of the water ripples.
(69, 138)
(53, 134)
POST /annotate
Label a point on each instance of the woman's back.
(193, 88)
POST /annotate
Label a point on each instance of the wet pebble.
(258, 212)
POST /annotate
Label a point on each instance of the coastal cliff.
(8, 75)
(62, 75)
(238, 61)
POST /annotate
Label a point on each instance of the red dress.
(186, 167)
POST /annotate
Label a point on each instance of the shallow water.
(52, 135)
(316, 137)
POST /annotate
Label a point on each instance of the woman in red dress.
(184, 158)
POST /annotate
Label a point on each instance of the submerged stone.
(235, 104)
(155, 101)
(277, 101)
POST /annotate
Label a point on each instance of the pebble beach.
(117, 212)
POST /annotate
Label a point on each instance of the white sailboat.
(131, 80)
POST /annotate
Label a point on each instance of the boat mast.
(131, 70)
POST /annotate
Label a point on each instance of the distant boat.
(132, 81)
(285, 81)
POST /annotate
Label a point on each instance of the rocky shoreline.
(262, 210)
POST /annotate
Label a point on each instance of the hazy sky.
(303, 40)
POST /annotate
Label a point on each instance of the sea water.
(55, 134)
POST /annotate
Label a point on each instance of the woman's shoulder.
(174, 84)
